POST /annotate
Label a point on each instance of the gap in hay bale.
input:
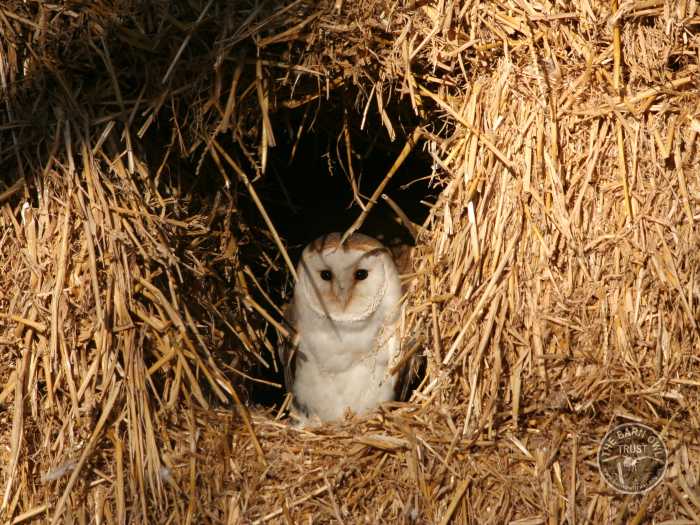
(308, 192)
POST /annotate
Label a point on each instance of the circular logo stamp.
(632, 458)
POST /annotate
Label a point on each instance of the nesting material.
(555, 287)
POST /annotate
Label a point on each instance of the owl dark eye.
(361, 275)
(326, 275)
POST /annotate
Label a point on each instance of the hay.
(554, 285)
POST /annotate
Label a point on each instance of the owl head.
(347, 282)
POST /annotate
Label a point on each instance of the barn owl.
(345, 312)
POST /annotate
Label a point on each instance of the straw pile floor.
(555, 287)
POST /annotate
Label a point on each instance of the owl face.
(344, 283)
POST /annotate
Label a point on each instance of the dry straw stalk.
(554, 286)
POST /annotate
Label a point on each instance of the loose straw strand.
(408, 147)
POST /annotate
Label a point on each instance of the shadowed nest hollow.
(163, 163)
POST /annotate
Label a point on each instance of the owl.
(345, 312)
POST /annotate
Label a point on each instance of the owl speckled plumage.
(345, 312)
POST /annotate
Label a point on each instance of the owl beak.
(341, 294)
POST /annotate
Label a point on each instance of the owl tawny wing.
(289, 354)
(288, 346)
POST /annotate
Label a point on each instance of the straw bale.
(554, 286)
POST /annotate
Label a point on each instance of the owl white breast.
(345, 311)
